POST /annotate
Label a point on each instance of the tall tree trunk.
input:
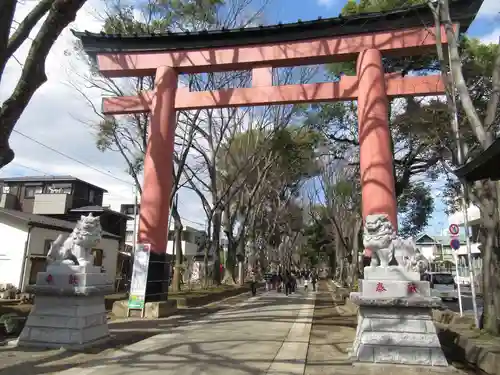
(491, 259)
(177, 277)
(230, 259)
(241, 256)
(215, 245)
(355, 251)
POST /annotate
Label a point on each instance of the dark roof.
(462, 12)
(48, 179)
(483, 166)
(99, 209)
(45, 221)
(438, 239)
(425, 238)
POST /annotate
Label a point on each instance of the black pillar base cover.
(158, 277)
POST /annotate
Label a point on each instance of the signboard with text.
(139, 280)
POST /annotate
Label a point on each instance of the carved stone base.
(396, 331)
(395, 289)
(65, 322)
(69, 309)
(390, 273)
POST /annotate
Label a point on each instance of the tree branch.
(33, 74)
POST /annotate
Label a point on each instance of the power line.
(117, 195)
(71, 158)
(31, 168)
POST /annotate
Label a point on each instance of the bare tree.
(337, 201)
(58, 14)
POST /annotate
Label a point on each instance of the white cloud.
(489, 9)
(326, 3)
(51, 119)
(492, 37)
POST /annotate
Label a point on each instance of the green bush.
(355, 286)
(12, 323)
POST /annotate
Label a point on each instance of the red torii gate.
(371, 87)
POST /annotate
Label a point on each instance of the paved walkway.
(268, 334)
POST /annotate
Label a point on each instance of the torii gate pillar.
(155, 200)
(376, 161)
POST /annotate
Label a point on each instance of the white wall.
(40, 235)
(473, 215)
(14, 238)
(110, 249)
(428, 251)
(188, 249)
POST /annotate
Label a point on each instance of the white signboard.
(139, 276)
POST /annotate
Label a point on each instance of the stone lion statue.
(378, 236)
(76, 249)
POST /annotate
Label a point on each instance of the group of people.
(288, 281)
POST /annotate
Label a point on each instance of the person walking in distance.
(288, 283)
(314, 279)
(268, 277)
(253, 283)
(306, 282)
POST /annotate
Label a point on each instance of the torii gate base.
(393, 327)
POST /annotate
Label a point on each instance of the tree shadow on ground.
(121, 351)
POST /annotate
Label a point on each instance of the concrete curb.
(484, 357)
(464, 344)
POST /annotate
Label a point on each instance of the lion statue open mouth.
(380, 237)
(76, 249)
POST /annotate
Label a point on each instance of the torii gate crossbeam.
(371, 87)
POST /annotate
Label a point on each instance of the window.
(129, 236)
(98, 257)
(30, 191)
(187, 236)
(443, 279)
(46, 246)
(91, 196)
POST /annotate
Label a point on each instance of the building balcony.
(52, 204)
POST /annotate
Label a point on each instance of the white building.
(26, 240)
(473, 215)
(190, 235)
(189, 240)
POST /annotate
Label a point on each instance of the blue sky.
(483, 26)
(58, 117)
(486, 27)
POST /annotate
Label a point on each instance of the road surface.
(466, 302)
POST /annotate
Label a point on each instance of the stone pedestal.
(69, 308)
(395, 323)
